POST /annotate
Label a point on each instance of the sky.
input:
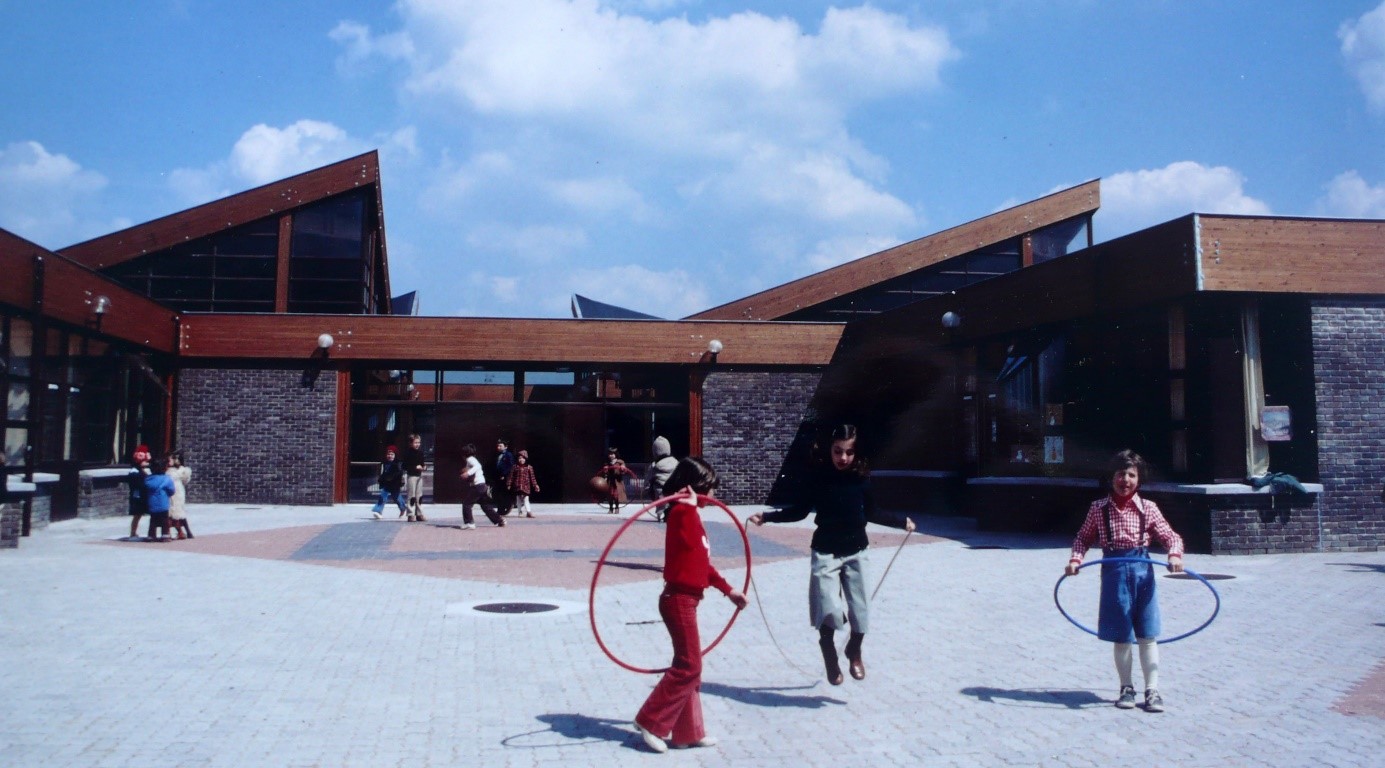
(673, 155)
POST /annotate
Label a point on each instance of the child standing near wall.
(178, 505)
(1124, 524)
(158, 494)
(139, 506)
(522, 483)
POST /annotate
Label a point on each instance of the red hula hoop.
(591, 595)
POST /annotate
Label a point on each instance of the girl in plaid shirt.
(1124, 524)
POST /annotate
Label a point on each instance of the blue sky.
(672, 155)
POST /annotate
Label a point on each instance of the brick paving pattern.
(313, 636)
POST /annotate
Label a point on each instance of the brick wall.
(1348, 350)
(257, 436)
(749, 420)
(11, 514)
(103, 497)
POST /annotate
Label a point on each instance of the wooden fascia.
(900, 260)
(1292, 255)
(440, 340)
(70, 292)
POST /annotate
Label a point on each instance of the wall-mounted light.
(715, 346)
(101, 305)
(325, 341)
(951, 320)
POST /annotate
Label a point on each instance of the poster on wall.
(1275, 425)
(1053, 449)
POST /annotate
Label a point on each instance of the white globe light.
(325, 341)
(714, 346)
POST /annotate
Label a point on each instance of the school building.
(993, 368)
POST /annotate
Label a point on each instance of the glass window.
(16, 442)
(18, 401)
(331, 229)
(21, 349)
(485, 386)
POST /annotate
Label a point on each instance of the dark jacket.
(412, 461)
(391, 475)
(844, 504)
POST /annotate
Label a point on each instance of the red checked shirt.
(687, 554)
(1126, 524)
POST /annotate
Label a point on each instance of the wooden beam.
(281, 263)
(439, 340)
(1279, 255)
(228, 212)
(903, 259)
(70, 292)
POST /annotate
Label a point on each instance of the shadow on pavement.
(566, 730)
(1363, 567)
(1035, 697)
(770, 697)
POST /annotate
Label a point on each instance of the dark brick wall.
(749, 420)
(1348, 350)
(1259, 524)
(11, 514)
(257, 436)
(103, 497)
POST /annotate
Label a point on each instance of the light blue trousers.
(837, 591)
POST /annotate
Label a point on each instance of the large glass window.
(328, 266)
(234, 271)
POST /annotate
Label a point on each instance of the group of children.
(401, 481)
(838, 491)
(158, 488)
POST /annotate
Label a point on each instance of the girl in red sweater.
(675, 706)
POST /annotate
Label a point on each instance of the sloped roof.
(591, 309)
(815, 289)
(230, 212)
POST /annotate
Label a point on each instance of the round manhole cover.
(1208, 576)
(515, 607)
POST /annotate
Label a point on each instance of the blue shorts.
(1129, 605)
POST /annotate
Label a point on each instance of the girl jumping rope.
(675, 706)
(1123, 524)
(839, 491)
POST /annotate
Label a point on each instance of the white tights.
(1149, 662)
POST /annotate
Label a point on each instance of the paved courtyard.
(315, 636)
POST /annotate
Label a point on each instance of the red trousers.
(675, 704)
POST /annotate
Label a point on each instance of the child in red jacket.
(675, 706)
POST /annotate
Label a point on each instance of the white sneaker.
(376, 515)
(705, 741)
(469, 526)
(650, 740)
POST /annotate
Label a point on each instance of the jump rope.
(749, 586)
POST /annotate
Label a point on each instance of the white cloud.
(264, 154)
(1363, 48)
(671, 105)
(1132, 200)
(46, 197)
(1349, 196)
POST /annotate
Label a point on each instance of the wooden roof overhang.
(242, 208)
(1081, 200)
(392, 341)
(1198, 253)
(47, 284)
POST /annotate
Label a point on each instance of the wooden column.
(281, 280)
(341, 474)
